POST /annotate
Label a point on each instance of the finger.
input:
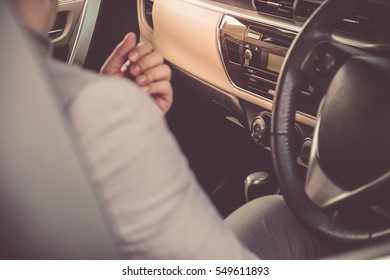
(163, 104)
(118, 57)
(162, 89)
(162, 94)
(125, 67)
(148, 61)
(157, 73)
(142, 49)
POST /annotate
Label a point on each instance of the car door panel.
(68, 18)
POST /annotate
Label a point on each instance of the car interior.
(286, 97)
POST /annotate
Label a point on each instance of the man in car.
(157, 209)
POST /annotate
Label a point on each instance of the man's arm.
(140, 63)
(157, 209)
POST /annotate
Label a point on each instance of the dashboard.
(238, 47)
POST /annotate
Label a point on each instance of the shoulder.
(84, 88)
(110, 94)
(110, 105)
(69, 79)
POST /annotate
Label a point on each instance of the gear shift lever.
(258, 184)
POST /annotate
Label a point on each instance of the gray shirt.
(156, 208)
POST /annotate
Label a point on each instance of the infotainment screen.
(274, 62)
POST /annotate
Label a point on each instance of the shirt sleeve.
(155, 206)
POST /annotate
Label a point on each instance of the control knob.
(260, 128)
(248, 56)
(306, 149)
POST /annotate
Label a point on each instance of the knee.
(258, 211)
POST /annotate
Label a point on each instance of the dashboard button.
(324, 62)
(305, 150)
(248, 55)
(260, 128)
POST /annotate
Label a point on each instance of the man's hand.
(144, 66)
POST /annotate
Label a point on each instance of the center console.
(253, 55)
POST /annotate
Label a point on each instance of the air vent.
(233, 49)
(369, 22)
(148, 7)
(280, 8)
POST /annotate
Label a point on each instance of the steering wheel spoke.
(327, 195)
(322, 63)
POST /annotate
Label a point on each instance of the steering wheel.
(350, 159)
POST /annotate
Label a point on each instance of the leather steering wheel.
(350, 158)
